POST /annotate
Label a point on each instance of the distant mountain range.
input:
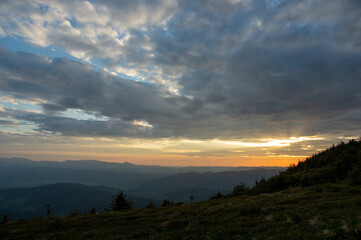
(22, 172)
(202, 186)
(28, 185)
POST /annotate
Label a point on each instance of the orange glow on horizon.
(163, 160)
(168, 152)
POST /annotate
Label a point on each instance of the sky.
(179, 82)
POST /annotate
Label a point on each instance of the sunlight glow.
(268, 142)
(144, 124)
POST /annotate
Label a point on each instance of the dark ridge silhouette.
(338, 164)
(20, 172)
(201, 185)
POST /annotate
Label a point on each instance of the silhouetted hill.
(29, 176)
(202, 186)
(63, 198)
(20, 172)
(142, 182)
(122, 167)
(338, 164)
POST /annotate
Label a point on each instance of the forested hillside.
(338, 164)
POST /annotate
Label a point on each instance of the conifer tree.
(120, 202)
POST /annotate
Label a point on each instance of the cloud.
(208, 69)
(64, 84)
(7, 123)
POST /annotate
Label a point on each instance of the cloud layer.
(186, 69)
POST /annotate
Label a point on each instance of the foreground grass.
(327, 211)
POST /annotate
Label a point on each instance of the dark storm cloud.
(242, 68)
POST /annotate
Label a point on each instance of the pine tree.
(120, 202)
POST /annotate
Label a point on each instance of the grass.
(328, 211)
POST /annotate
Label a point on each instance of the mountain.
(39, 182)
(30, 175)
(122, 167)
(202, 186)
(319, 198)
(20, 172)
(63, 198)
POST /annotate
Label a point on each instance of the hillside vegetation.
(319, 198)
(338, 164)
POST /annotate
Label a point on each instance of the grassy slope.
(320, 212)
(328, 209)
